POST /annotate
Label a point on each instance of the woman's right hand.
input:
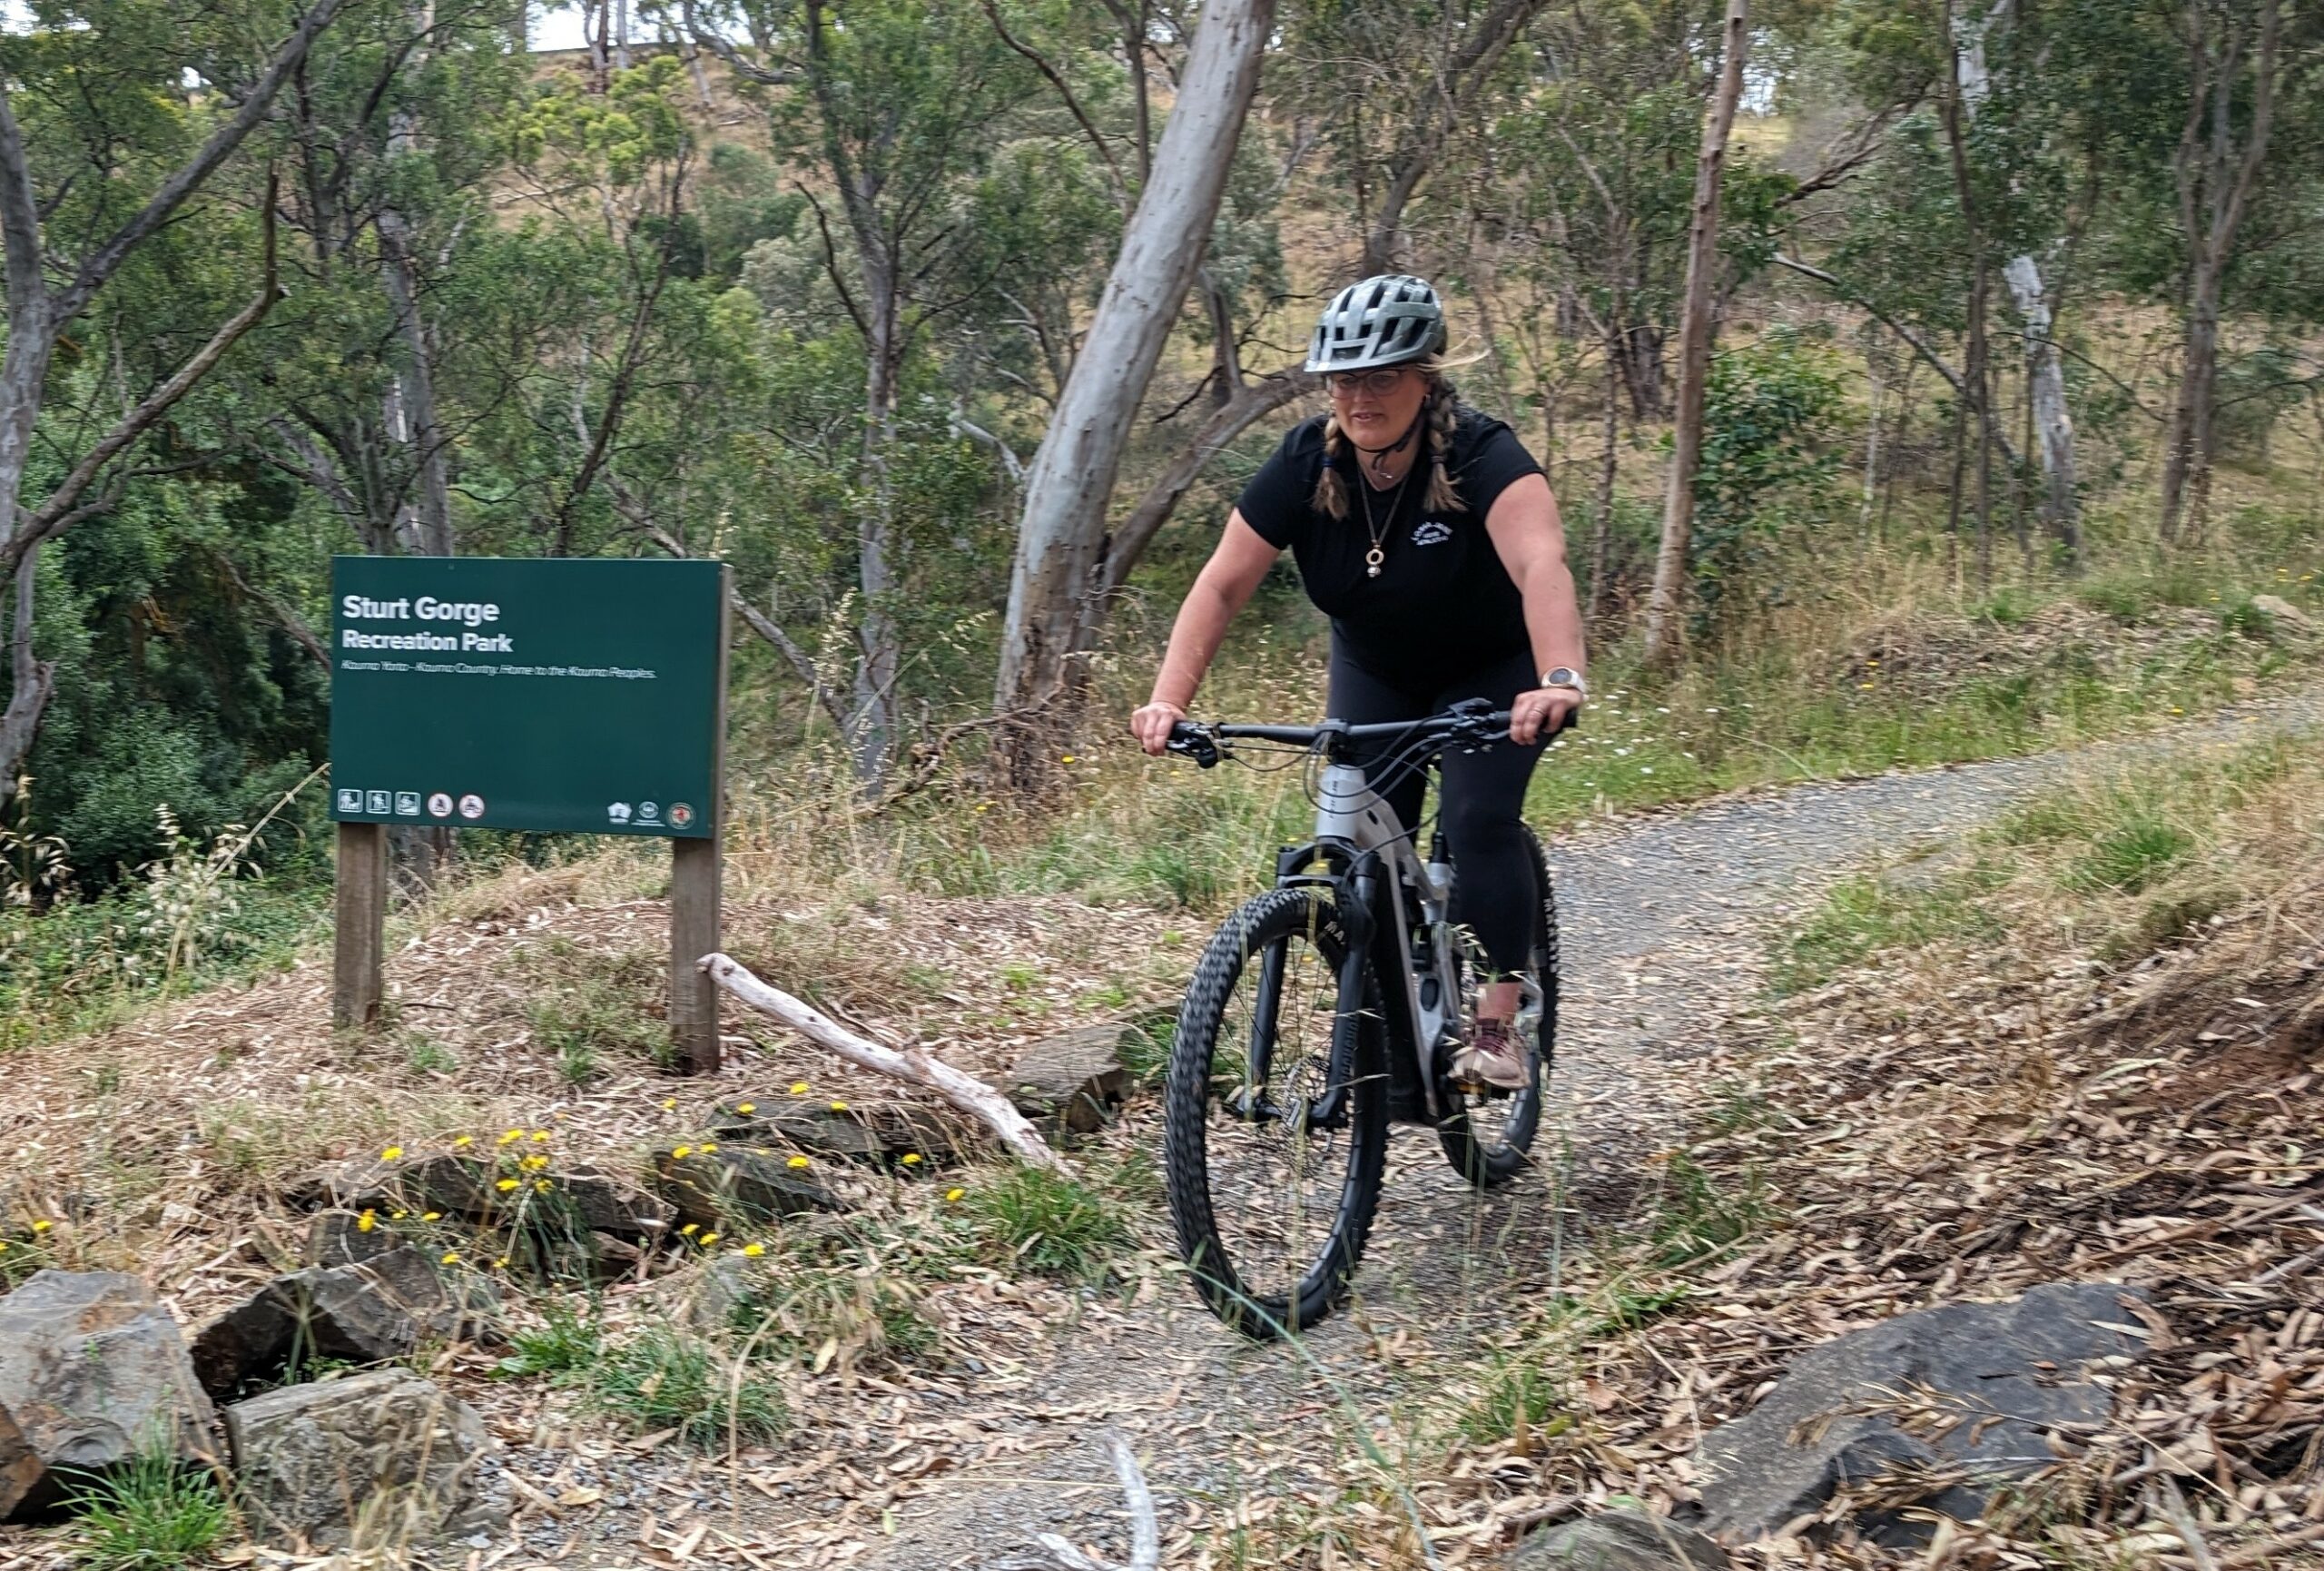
(1151, 725)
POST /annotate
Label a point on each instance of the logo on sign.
(378, 801)
(618, 811)
(440, 803)
(649, 813)
(407, 804)
(681, 814)
(472, 806)
(351, 800)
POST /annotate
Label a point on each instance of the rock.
(91, 1369)
(366, 1313)
(709, 1299)
(2283, 612)
(607, 1204)
(1984, 1362)
(1618, 1541)
(726, 1185)
(880, 1136)
(339, 1239)
(376, 1459)
(1070, 1084)
(457, 1184)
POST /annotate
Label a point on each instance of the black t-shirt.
(1443, 605)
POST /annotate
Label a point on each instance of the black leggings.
(1479, 802)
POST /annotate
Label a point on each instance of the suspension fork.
(1329, 1109)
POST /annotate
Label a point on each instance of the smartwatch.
(1567, 677)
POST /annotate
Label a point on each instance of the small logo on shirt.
(1432, 532)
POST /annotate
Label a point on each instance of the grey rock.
(1071, 1084)
(729, 1185)
(1618, 1541)
(91, 1369)
(366, 1313)
(443, 1182)
(601, 1203)
(710, 1298)
(370, 1460)
(337, 1238)
(2009, 1372)
(2283, 612)
(880, 1136)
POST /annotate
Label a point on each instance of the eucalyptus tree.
(113, 117)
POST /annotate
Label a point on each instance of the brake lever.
(1199, 745)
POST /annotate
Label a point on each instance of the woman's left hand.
(1540, 712)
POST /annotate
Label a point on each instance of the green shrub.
(562, 1343)
(2130, 856)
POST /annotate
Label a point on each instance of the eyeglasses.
(1379, 383)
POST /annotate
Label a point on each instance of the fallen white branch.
(1145, 1531)
(970, 1095)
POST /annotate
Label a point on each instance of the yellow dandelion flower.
(366, 1222)
(1069, 758)
(707, 1239)
(43, 1225)
(398, 1216)
(512, 1136)
(464, 1139)
(984, 806)
(691, 1227)
(798, 1161)
(754, 1250)
(431, 1216)
(505, 1185)
(668, 1102)
(3, 1246)
(681, 1150)
(839, 1107)
(540, 1186)
(799, 1088)
(539, 1135)
(746, 1107)
(912, 1159)
(534, 1163)
(954, 1195)
(390, 1154)
(501, 1264)
(451, 1257)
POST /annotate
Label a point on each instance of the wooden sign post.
(572, 695)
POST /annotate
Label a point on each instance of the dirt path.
(1663, 922)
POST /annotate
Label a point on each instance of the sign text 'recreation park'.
(492, 693)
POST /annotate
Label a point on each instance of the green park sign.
(494, 693)
(562, 695)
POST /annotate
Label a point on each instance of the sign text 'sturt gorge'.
(492, 693)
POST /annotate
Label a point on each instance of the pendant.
(1371, 560)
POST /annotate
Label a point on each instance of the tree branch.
(1122, 196)
(102, 263)
(55, 514)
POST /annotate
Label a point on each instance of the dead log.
(907, 1064)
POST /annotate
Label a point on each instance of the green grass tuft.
(1864, 915)
(562, 1344)
(1046, 1223)
(150, 1514)
(661, 1378)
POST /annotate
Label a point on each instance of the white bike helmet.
(1383, 320)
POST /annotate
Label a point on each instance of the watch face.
(1560, 678)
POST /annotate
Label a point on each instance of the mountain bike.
(1325, 1009)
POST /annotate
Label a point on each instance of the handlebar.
(1469, 721)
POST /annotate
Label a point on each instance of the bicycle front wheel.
(1275, 1115)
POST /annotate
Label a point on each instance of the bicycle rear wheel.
(1276, 1115)
(1489, 1139)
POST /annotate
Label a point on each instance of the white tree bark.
(1073, 475)
(2044, 373)
(964, 1091)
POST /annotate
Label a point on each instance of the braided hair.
(1438, 416)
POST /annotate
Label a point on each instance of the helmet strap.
(1378, 456)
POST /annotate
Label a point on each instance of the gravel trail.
(1664, 920)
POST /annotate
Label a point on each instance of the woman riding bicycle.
(1428, 534)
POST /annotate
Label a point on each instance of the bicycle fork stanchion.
(1252, 1104)
(1329, 1109)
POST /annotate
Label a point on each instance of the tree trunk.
(1664, 631)
(871, 726)
(1072, 481)
(2053, 422)
(1601, 528)
(31, 680)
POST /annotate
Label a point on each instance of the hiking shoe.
(1493, 1058)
